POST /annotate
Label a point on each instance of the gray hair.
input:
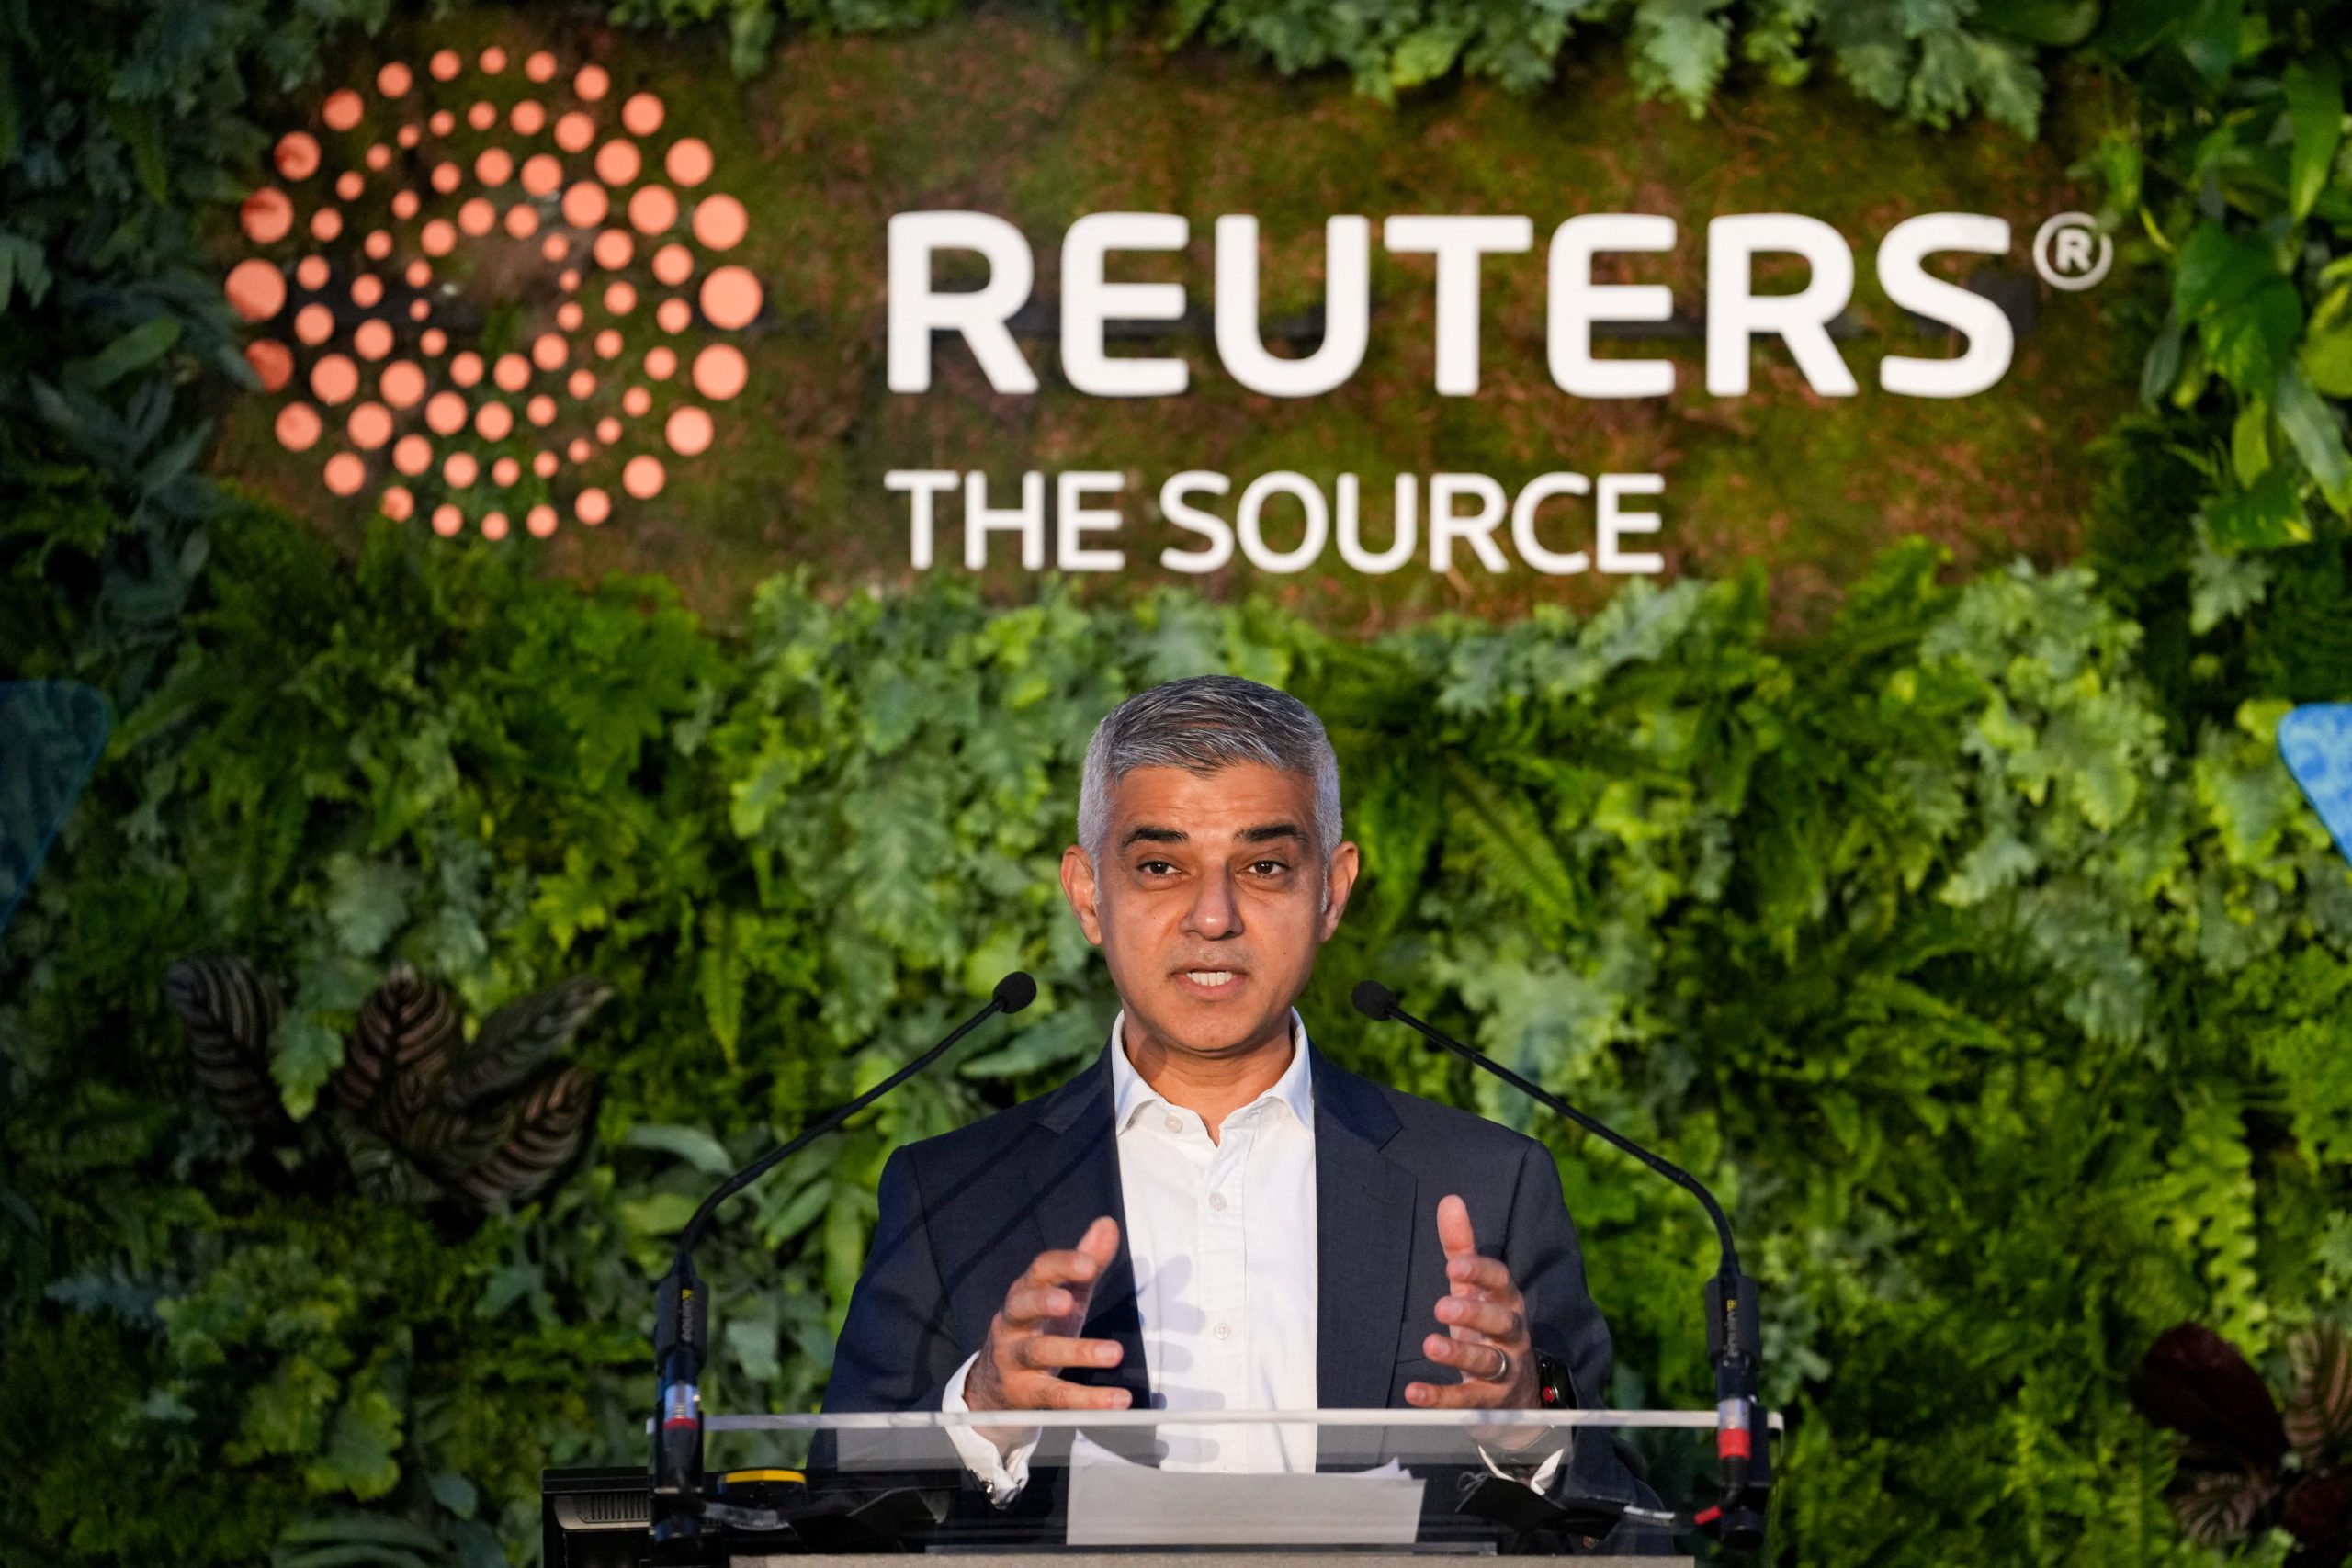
(1201, 724)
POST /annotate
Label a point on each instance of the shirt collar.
(1131, 1094)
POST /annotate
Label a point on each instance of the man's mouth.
(1212, 981)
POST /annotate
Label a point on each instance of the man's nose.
(1215, 912)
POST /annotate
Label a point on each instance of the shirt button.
(1175, 1124)
(1216, 1200)
(1223, 1331)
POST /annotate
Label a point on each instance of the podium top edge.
(927, 1420)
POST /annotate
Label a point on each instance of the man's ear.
(1339, 880)
(1077, 886)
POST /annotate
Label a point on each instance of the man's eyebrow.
(1269, 831)
(1149, 834)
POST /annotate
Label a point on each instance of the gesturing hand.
(1031, 1338)
(1486, 1321)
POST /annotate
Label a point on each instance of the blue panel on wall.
(51, 735)
(2316, 740)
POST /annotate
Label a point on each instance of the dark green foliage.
(353, 1539)
(127, 130)
(2003, 1007)
(1935, 64)
(2228, 519)
(417, 1111)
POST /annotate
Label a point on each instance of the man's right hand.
(1033, 1339)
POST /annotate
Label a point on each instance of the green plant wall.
(1982, 994)
(1975, 936)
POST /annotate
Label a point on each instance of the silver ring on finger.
(1502, 1365)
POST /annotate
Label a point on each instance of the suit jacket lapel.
(1077, 1180)
(1366, 1208)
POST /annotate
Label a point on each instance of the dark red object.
(2197, 1383)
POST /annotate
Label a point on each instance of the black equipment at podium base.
(602, 1517)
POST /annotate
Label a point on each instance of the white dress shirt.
(1221, 1235)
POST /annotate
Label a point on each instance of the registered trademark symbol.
(2070, 253)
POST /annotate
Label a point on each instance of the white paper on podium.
(1116, 1502)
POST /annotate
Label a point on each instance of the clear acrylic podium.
(1312, 1488)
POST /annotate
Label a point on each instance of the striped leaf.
(548, 1132)
(2217, 1507)
(405, 1032)
(228, 1012)
(2318, 1407)
(445, 1142)
(353, 1539)
(518, 1038)
(384, 1174)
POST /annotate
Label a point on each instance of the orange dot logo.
(443, 257)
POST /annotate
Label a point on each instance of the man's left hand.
(1484, 1319)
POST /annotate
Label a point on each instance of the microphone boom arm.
(681, 1307)
(1735, 1346)
(1599, 1128)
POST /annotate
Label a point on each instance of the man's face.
(1209, 903)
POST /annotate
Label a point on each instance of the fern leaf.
(1511, 839)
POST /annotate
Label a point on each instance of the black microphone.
(682, 1312)
(1734, 1344)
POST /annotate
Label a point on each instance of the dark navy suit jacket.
(963, 1214)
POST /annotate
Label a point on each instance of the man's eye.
(1271, 867)
(1155, 867)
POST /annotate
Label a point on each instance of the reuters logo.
(472, 300)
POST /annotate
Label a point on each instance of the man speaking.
(1214, 1216)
